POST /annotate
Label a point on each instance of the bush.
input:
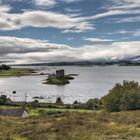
(124, 96)
(34, 104)
(4, 100)
(42, 112)
(57, 81)
(93, 104)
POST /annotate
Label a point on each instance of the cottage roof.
(12, 112)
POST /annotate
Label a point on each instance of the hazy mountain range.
(103, 62)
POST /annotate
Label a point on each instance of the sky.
(38, 31)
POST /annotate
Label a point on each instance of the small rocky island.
(59, 78)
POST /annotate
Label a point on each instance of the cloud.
(98, 40)
(45, 2)
(23, 45)
(70, 10)
(13, 48)
(70, 1)
(128, 19)
(118, 8)
(125, 4)
(70, 38)
(112, 13)
(135, 33)
(4, 9)
(65, 22)
(42, 19)
(51, 3)
(25, 50)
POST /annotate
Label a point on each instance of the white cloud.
(70, 38)
(4, 9)
(69, 1)
(69, 10)
(52, 2)
(65, 22)
(25, 50)
(45, 2)
(137, 33)
(134, 33)
(42, 19)
(13, 48)
(128, 19)
(21, 46)
(125, 4)
(98, 40)
(114, 13)
(118, 8)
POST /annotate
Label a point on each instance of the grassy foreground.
(15, 72)
(73, 126)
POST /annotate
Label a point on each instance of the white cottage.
(16, 112)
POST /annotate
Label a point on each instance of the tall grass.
(73, 126)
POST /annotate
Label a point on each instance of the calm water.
(92, 82)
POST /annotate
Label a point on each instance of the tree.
(35, 103)
(4, 100)
(124, 96)
(75, 102)
(5, 67)
(59, 101)
(93, 104)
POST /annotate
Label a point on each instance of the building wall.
(25, 114)
(60, 73)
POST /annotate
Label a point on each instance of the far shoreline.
(16, 72)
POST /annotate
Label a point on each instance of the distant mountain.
(101, 62)
(135, 59)
(132, 61)
(5, 62)
(79, 63)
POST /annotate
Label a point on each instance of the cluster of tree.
(5, 67)
(91, 104)
(4, 100)
(36, 103)
(124, 96)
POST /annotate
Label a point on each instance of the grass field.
(15, 72)
(73, 126)
(36, 111)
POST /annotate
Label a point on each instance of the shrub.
(42, 112)
(57, 81)
(124, 96)
(34, 104)
(93, 104)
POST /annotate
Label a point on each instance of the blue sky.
(68, 30)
